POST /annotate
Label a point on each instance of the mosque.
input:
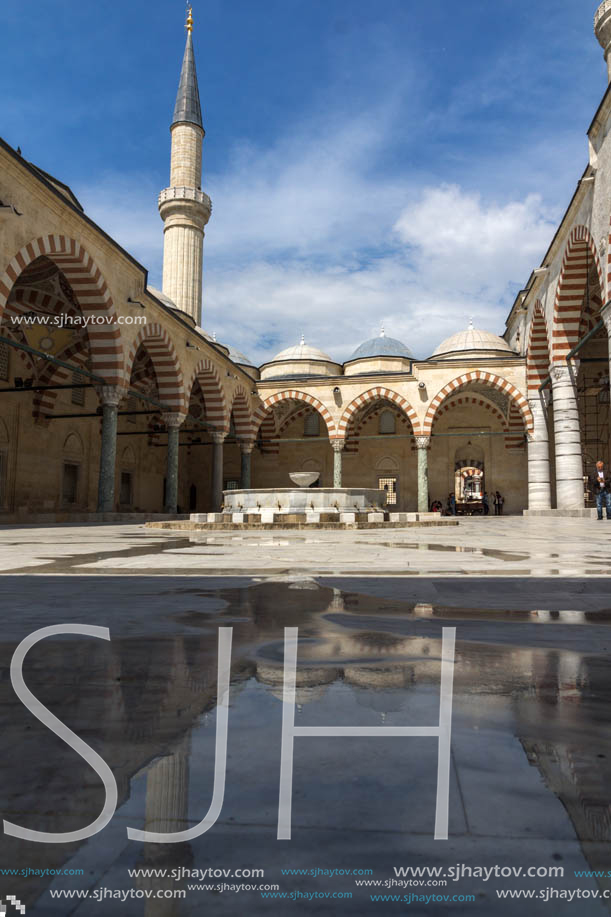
(114, 400)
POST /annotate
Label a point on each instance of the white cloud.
(311, 236)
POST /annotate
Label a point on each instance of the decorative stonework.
(423, 442)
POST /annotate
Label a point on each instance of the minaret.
(184, 208)
(602, 30)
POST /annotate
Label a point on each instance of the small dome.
(472, 340)
(239, 358)
(163, 298)
(381, 347)
(302, 351)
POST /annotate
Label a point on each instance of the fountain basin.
(304, 478)
(287, 500)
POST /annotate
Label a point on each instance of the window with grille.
(311, 424)
(231, 485)
(390, 486)
(78, 394)
(4, 362)
(387, 422)
(70, 484)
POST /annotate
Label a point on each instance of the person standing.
(603, 490)
(501, 500)
(486, 503)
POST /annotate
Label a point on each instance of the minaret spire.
(184, 207)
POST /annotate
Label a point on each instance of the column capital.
(111, 394)
(423, 442)
(605, 314)
(246, 448)
(564, 372)
(218, 437)
(338, 445)
(173, 420)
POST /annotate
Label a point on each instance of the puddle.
(531, 741)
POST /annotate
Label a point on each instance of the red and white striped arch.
(242, 417)
(268, 435)
(292, 395)
(215, 402)
(157, 343)
(376, 394)
(537, 356)
(89, 288)
(44, 402)
(481, 378)
(360, 421)
(579, 255)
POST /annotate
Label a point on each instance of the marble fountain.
(304, 505)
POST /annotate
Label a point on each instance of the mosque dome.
(380, 354)
(300, 360)
(473, 342)
(302, 351)
(381, 346)
(240, 358)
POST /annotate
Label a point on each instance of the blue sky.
(393, 162)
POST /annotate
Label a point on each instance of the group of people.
(498, 501)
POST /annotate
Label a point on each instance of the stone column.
(167, 791)
(338, 448)
(567, 437)
(605, 314)
(539, 486)
(173, 423)
(217, 471)
(110, 396)
(422, 444)
(246, 454)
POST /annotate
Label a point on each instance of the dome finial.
(189, 23)
(382, 332)
(471, 323)
(302, 341)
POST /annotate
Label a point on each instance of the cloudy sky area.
(393, 162)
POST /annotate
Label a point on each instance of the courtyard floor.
(530, 782)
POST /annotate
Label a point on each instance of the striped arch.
(537, 357)
(209, 380)
(91, 291)
(376, 394)
(579, 253)
(268, 435)
(483, 378)
(515, 428)
(362, 418)
(292, 395)
(242, 417)
(170, 383)
(44, 402)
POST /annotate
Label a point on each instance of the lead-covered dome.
(300, 360)
(381, 346)
(379, 355)
(473, 342)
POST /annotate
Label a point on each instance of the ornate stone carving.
(423, 442)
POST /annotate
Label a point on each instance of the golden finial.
(189, 25)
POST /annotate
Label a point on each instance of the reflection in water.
(147, 706)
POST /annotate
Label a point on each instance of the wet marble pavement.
(530, 780)
(506, 546)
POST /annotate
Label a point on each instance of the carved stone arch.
(480, 377)
(579, 253)
(91, 291)
(292, 395)
(170, 383)
(209, 381)
(376, 394)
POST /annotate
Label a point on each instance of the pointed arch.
(537, 355)
(292, 395)
(580, 253)
(89, 288)
(377, 394)
(209, 380)
(170, 383)
(483, 378)
(242, 416)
